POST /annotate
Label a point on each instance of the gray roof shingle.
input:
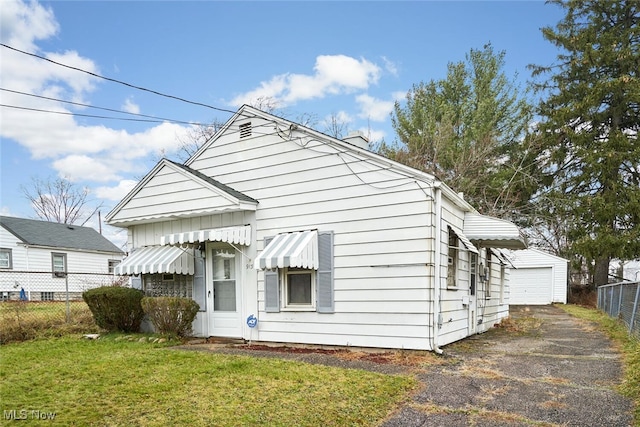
(53, 234)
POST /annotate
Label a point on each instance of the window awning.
(504, 259)
(157, 259)
(236, 235)
(298, 249)
(493, 232)
(466, 242)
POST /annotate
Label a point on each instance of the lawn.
(116, 382)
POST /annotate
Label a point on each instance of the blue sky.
(348, 59)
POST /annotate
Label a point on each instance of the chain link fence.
(33, 303)
(622, 301)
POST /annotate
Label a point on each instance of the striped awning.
(493, 232)
(235, 235)
(298, 249)
(157, 259)
(466, 242)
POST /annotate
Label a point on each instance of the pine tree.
(467, 130)
(589, 127)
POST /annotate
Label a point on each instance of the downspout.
(437, 264)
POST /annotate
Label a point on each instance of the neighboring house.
(317, 239)
(538, 278)
(41, 259)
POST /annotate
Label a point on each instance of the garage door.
(530, 286)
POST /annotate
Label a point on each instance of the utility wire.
(98, 108)
(118, 81)
(67, 113)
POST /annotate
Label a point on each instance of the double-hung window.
(58, 264)
(6, 260)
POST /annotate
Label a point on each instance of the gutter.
(437, 263)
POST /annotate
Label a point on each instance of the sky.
(314, 59)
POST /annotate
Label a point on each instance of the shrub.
(170, 315)
(115, 308)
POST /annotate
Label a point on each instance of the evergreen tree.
(467, 130)
(589, 129)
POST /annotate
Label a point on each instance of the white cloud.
(116, 193)
(333, 74)
(374, 109)
(390, 66)
(130, 107)
(78, 151)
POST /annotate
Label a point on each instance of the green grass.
(629, 346)
(116, 382)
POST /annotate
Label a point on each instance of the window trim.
(112, 264)
(487, 289)
(58, 273)
(453, 256)
(10, 253)
(286, 305)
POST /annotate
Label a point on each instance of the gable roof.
(192, 193)
(247, 112)
(56, 235)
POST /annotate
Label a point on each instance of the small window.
(46, 296)
(299, 288)
(58, 264)
(113, 263)
(473, 271)
(452, 264)
(245, 130)
(6, 260)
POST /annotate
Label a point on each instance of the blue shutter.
(199, 284)
(324, 285)
(271, 287)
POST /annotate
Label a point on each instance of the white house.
(42, 260)
(311, 239)
(538, 278)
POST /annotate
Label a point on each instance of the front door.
(473, 285)
(223, 292)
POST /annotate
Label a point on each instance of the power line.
(98, 108)
(67, 113)
(117, 81)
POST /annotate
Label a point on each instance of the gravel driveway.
(560, 372)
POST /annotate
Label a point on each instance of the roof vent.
(245, 130)
(358, 139)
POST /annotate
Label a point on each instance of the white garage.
(539, 278)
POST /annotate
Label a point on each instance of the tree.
(468, 129)
(589, 128)
(60, 200)
(195, 137)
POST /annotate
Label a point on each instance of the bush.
(171, 316)
(115, 308)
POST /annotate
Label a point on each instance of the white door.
(531, 286)
(223, 292)
(473, 289)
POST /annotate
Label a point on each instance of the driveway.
(561, 372)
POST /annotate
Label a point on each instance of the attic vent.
(245, 130)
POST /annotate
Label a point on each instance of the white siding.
(383, 236)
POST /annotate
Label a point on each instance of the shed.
(538, 278)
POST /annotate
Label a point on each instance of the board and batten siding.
(383, 235)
